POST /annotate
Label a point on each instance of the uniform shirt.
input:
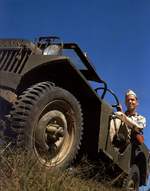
(138, 119)
(116, 123)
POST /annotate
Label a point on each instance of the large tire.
(48, 121)
(132, 182)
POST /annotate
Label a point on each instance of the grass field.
(20, 172)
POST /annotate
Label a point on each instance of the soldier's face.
(131, 102)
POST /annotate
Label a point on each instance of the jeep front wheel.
(48, 121)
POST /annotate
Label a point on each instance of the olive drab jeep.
(48, 105)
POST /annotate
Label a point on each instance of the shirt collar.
(134, 114)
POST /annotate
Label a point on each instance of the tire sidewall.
(133, 176)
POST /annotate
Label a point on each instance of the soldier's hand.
(119, 108)
(120, 115)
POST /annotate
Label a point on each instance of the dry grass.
(20, 172)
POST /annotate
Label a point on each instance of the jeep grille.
(13, 59)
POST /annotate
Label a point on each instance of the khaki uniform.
(116, 124)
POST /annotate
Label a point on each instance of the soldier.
(128, 120)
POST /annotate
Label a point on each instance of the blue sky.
(114, 33)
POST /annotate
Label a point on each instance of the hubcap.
(131, 185)
(54, 135)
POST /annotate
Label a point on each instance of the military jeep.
(50, 107)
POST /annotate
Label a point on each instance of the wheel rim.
(131, 185)
(54, 133)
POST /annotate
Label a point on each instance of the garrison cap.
(131, 92)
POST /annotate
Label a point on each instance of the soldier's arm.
(132, 124)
